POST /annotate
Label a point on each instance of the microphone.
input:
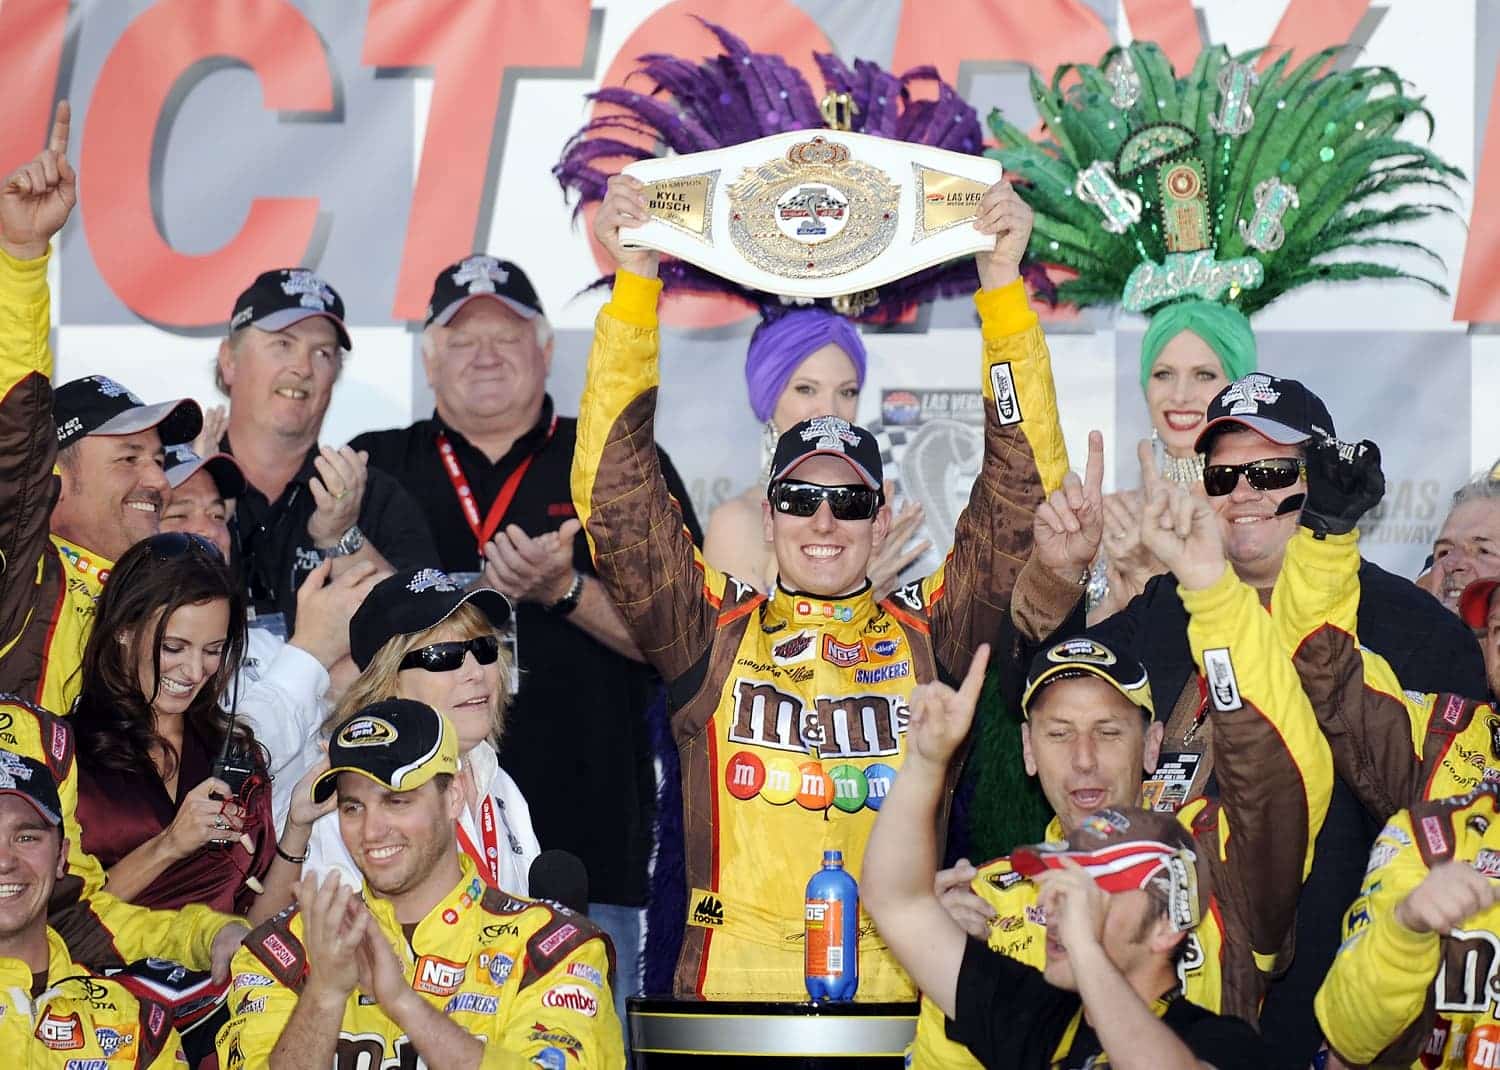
(559, 876)
(1293, 504)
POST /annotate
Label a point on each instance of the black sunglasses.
(1272, 473)
(848, 502)
(445, 657)
(173, 544)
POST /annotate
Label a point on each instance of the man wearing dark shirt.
(490, 471)
(303, 503)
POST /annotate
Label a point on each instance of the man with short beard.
(78, 1019)
(111, 491)
(432, 963)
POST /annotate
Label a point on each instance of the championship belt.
(814, 214)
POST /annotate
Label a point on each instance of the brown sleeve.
(642, 551)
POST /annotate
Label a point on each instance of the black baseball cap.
(97, 405)
(1283, 410)
(828, 436)
(30, 780)
(413, 601)
(224, 470)
(481, 276)
(396, 742)
(1126, 848)
(277, 299)
(1083, 655)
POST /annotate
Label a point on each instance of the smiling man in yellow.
(433, 964)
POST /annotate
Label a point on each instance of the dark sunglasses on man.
(1272, 473)
(848, 502)
(445, 657)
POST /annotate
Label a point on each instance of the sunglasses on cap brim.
(1272, 473)
(445, 657)
(852, 501)
(173, 544)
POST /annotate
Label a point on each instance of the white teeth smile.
(1183, 421)
(1248, 519)
(822, 551)
(8, 891)
(144, 507)
(380, 854)
(292, 392)
(175, 687)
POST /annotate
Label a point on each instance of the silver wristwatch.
(350, 542)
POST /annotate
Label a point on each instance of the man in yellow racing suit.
(1397, 993)
(54, 1013)
(454, 970)
(1088, 746)
(789, 711)
(40, 605)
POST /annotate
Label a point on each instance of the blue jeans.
(625, 927)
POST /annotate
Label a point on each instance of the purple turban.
(779, 346)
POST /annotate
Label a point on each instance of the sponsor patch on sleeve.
(1003, 384)
(1223, 687)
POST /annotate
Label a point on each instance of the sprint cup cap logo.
(1083, 656)
(367, 732)
(832, 437)
(398, 743)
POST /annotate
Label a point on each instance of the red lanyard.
(488, 861)
(483, 532)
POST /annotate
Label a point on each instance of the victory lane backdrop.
(377, 140)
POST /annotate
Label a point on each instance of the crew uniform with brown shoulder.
(790, 710)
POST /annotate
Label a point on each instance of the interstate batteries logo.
(781, 780)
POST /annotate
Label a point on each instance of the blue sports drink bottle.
(831, 932)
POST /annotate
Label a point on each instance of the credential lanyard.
(483, 531)
(487, 860)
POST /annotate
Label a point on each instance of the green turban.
(1225, 329)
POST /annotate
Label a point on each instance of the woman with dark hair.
(168, 638)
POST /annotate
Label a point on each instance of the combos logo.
(572, 998)
(795, 648)
(438, 976)
(60, 1032)
(780, 779)
(708, 910)
(367, 732)
(842, 654)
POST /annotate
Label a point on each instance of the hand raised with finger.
(624, 205)
(1069, 525)
(1180, 528)
(940, 716)
(37, 197)
(1004, 214)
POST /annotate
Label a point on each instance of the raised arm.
(969, 598)
(1375, 729)
(35, 201)
(642, 550)
(1275, 772)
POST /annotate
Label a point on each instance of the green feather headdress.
(1223, 185)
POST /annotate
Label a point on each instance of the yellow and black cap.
(1084, 655)
(397, 743)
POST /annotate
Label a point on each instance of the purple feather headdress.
(743, 95)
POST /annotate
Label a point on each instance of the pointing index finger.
(1150, 478)
(974, 681)
(1093, 472)
(61, 124)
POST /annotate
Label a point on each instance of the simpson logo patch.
(557, 939)
(1432, 832)
(1223, 688)
(1003, 384)
(1453, 711)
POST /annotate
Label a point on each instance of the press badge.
(1168, 788)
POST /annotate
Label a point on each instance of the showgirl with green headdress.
(1200, 200)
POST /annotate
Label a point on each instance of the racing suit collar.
(93, 568)
(799, 609)
(436, 928)
(15, 974)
